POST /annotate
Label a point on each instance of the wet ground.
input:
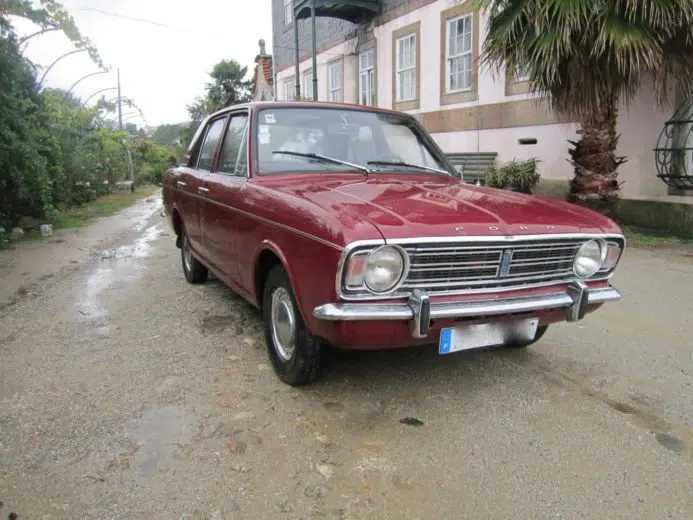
(23, 270)
(128, 393)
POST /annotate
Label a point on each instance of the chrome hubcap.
(187, 254)
(283, 324)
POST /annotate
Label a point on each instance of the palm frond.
(582, 53)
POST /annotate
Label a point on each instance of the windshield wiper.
(324, 158)
(409, 165)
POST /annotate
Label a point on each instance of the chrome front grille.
(437, 267)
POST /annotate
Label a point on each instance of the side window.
(206, 156)
(233, 158)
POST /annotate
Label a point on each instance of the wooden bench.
(472, 165)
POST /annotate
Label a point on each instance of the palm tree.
(588, 58)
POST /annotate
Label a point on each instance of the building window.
(406, 68)
(288, 11)
(517, 81)
(521, 74)
(367, 78)
(308, 85)
(288, 90)
(335, 82)
(459, 57)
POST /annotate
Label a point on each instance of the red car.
(347, 226)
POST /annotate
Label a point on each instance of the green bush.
(515, 175)
(4, 239)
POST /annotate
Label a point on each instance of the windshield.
(344, 135)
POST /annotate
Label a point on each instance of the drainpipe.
(298, 57)
(315, 66)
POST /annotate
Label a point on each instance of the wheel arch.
(177, 224)
(266, 258)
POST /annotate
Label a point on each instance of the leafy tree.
(169, 134)
(588, 57)
(52, 16)
(28, 151)
(228, 87)
(152, 160)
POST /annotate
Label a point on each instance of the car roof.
(255, 105)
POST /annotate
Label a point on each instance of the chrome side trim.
(268, 221)
(412, 309)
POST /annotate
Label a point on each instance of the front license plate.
(465, 337)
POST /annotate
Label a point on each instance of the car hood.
(402, 206)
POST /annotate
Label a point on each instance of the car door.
(219, 216)
(196, 185)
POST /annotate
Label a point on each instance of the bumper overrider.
(419, 310)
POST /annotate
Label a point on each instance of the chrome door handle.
(202, 190)
(181, 184)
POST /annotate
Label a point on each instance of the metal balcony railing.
(674, 152)
(351, 10)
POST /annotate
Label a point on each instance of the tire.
(194, 271)
(296, 355)
(523, 344)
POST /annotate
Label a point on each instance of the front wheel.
(296, 355)
(193, 270)
(522, 344)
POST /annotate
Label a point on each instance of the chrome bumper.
(420, 311)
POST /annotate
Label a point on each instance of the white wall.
(551, 147)
(640, 126)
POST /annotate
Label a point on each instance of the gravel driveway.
(127, 393)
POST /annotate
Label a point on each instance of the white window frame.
(289, 89)
(405, 69)
(288, 11)
(335, 90)
(307, 79)
(367, 78)
(449, 57)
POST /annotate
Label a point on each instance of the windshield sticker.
(265, 139)
(269, 118)
(264, 129)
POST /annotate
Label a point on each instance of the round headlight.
(589, 258)
(384, 269)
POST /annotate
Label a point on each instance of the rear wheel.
(522, 344)
(194, 271)
(296, 355)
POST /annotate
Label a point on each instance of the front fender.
(310, 267)
(269, 245)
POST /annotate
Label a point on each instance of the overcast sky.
(161, 68)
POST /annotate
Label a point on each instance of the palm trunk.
(594, 158)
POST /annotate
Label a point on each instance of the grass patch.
(639, 237)
(102, 207)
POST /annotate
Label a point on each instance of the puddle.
(114, 265)
(160, 434)
(141, 248)
(671, 442)
(153, 205)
